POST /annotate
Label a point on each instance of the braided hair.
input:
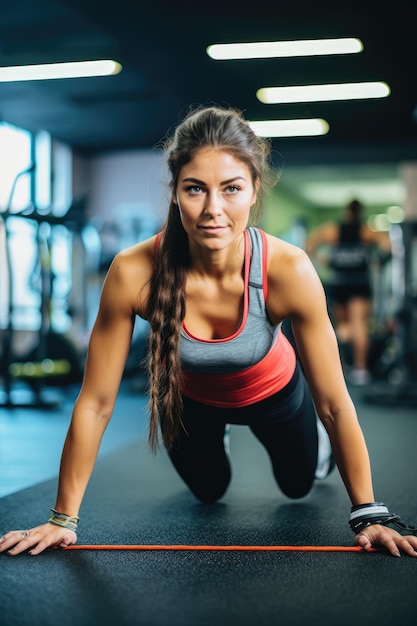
(205, 127)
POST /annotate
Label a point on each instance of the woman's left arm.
(296, 292)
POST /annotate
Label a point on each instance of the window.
(16, 237)
(35, 272)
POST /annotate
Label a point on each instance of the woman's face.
(214, 195)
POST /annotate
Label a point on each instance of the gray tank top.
(255, 335)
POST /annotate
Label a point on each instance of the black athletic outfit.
(350, 266)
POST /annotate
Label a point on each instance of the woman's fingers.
(15, 538)
(36, 540)
(363, 542)
(382, 537)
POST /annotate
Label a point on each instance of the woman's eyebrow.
(223, 182)
(193, 180)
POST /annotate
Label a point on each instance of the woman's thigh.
(291, 441)
(199, 455)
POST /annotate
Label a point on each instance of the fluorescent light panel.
(320, 93)
(338, 193)
(50, 71)
(276, 49)
(290, 128)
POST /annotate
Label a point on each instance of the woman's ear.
(175, 198)
(176, 201)
(256, 186)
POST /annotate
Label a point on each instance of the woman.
(349, 289)
(209, 285)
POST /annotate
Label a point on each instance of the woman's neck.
(227, 261)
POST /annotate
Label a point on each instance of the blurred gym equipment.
(398, 358)
(52, 359)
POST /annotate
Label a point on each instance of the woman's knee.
(209, 493)
(207, 477)
(295, 489)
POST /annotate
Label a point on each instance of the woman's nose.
(213, 204)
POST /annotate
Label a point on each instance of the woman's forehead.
(215, 159)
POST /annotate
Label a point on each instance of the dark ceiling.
(161, 45)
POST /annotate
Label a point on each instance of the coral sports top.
(253, 363)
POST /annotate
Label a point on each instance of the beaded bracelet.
(364, 515)
(64, 520)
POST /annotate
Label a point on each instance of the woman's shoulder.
(292, 280)
(131, 270)
(141, 252)
(286, 262)
(279, 249)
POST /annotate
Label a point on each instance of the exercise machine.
(52, 359)
(400, 356)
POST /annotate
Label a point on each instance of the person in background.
(349, 286)
(215, 290)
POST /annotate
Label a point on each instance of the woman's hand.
(37, 539)
(377, 536)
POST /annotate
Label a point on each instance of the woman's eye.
(232, 189)
(194, 189)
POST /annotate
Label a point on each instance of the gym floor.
(136, 498)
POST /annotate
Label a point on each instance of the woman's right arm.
(107, 353)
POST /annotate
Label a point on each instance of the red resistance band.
(222, 548)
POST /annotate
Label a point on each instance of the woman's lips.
(213, 228)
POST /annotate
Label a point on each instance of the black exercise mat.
(134, 498)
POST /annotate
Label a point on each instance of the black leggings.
(285, 424)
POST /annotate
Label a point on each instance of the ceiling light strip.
(321, 93)
(290, 128)
(50, 71)
(279, 49)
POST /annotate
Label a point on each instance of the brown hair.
(215, 127)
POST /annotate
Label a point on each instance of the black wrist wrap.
(365, 515)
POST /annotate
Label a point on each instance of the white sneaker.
(226, 438)
(359, 377)
(325, 460)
